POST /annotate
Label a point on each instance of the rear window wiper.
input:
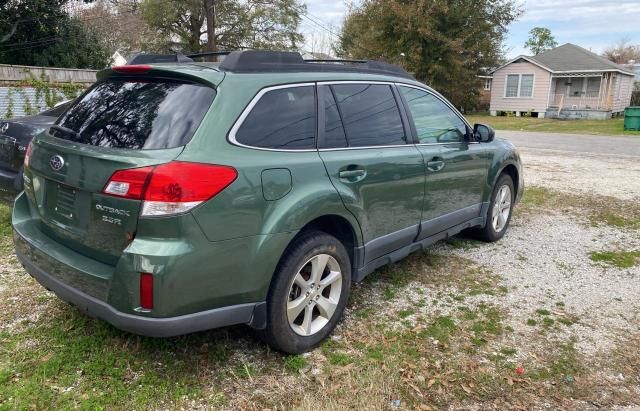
(65, 130)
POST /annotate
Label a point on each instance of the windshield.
(136, 114)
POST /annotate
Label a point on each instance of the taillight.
(129, 183)
(132, 69)
(146, 291)
(171, 188)
(27, 155)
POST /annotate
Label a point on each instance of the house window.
(512, 85)
(487, 84)
(526, 85)
(519, 85)
(593, 87)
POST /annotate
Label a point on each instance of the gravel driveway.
(544, 258)
(607, 145)
(602, 165)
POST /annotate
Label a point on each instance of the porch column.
(600, 91)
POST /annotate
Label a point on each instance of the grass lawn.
(612, 127)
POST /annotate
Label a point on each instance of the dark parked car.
(15, 135)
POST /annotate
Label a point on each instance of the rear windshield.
(136, 114)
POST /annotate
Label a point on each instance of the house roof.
(571, 58)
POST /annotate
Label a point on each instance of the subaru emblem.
(56, 162)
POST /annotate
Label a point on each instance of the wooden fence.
(26, 90)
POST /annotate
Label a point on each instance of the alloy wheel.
(314, 294)
(501, 208)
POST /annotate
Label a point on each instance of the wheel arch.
(339, 227)
(512, 171)
(510, 167)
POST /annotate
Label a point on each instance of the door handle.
(436, 164)
(352, 175)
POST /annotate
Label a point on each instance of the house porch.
(586, 95)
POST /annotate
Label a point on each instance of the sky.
(592, 24)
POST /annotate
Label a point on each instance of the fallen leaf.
(466, 388)
(416, 389)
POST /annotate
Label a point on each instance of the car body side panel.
(455, 193)
(387, 202)
(242, 210)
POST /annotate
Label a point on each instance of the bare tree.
(623, 52)
(120, 23)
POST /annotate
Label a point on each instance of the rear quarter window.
(282, 118)
(138, 114)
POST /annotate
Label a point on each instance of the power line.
(24, 43)
(44, 43)
(331, 33)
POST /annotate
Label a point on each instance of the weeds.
(620, 259)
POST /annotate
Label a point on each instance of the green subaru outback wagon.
(178, 197)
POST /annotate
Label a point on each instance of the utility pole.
(210, 12)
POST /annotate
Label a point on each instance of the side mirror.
(483, 133)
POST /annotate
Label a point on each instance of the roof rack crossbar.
(334, 61)
(210, 53)
(259, 61)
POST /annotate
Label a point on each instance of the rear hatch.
(120, 123)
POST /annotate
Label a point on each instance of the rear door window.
(334, 136)
(136, 114)
(283, 118)
(370, 114)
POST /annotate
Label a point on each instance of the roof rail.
(158, 58)
(258, 61)
(210, 53)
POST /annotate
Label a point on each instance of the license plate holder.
(61, 202)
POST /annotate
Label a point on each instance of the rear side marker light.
(146, 291)
(171, 188)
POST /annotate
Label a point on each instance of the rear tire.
(499, 212)
(308, 294)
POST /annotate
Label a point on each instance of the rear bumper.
(253, 314)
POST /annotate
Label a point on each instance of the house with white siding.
(565, 82)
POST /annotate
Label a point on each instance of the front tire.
(308, 294)
(499, 212)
